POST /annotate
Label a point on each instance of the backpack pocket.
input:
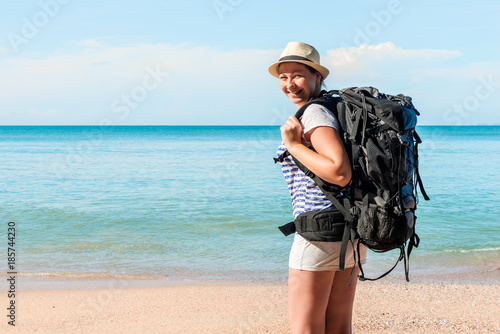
(380, 228)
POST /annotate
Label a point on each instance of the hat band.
(295, 58)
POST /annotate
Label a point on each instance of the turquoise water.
(204, 202)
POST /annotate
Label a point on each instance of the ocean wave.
(473, 250)
(87, 276)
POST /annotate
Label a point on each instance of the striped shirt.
(305, 194)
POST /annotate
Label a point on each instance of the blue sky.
(70, 62)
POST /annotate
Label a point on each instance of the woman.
(320, 298)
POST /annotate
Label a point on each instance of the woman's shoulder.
(318, 115)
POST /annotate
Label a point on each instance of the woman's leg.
(309, 293)
(340, 304)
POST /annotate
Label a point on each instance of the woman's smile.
(298, 82)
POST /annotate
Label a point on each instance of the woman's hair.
(321, 83)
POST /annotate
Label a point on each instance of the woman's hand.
(291, 133)
(328, 160)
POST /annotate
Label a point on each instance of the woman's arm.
(330, 161)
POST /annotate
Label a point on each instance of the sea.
(203, 203)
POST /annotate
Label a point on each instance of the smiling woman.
(320, 298)
(301, 77)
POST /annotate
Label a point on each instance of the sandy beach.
(128, 306)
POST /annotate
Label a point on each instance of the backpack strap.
(419, 180)
(322, 185)
(350, 219)
(402, 256)
(288, 228)
(325, 99)
(282, 157)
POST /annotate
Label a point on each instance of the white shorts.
(320, 256)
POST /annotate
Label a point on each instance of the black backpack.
(378, 132)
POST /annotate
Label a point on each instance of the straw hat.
(299, 53)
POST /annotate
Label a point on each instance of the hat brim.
(273, 69)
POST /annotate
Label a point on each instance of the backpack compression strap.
(419, 180)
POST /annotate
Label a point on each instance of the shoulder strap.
(325, 99)
(322, 186)
(345, 208)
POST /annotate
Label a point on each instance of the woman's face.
(298, 82)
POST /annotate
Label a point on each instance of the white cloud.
(203, 85)
(89, 43)
(382, 60)
(443, 88)
(387, 52)
(208, 83)
(4, 50)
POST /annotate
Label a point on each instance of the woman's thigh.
(308, 298)
(341, 301)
